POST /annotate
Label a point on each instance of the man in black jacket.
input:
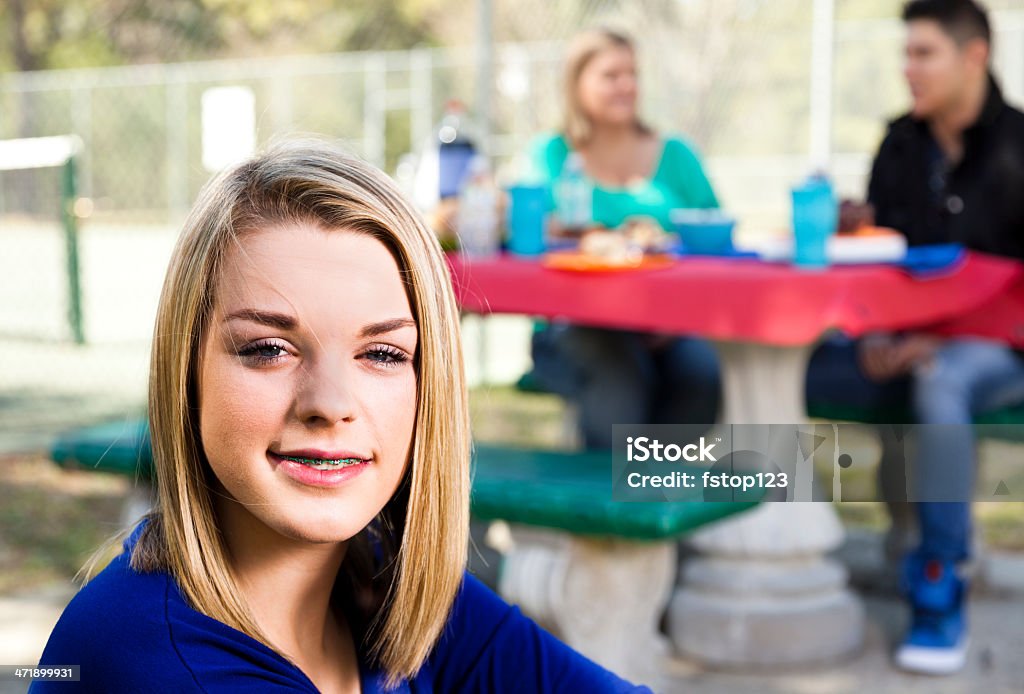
(950, 171)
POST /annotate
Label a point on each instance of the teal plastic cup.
(815, 215)
(527, 219)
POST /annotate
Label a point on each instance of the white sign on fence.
(229, 126)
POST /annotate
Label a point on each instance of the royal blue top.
(134, 632)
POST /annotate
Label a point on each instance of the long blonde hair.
(408, 572)
(577, 125)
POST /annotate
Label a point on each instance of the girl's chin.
(328, 531)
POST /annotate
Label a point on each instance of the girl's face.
(607, 87)
(307, 391)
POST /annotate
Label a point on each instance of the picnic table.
(763, 573)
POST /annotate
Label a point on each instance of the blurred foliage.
(731, 76)
(45, 34)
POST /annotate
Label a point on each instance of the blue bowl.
(703, 232)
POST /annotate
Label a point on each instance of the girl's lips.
(309, 476)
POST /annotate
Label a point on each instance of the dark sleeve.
(880, 187)
(490, 646)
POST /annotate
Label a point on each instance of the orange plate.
(574, 261)
(871, 231)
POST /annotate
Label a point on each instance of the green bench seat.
(120, 448)
(572, 492)
(564, 491)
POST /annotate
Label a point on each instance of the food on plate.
(609, 245)
(646, 234)
(634, 238)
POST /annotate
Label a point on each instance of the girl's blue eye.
(263, 352)
(385, 355)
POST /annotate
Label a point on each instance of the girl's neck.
(287, 585)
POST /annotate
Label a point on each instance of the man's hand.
(658, 341)
(884, 357)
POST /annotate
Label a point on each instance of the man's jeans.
(967, 377)
(618, 377)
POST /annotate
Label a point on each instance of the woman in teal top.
(617, 376)
(678, 181)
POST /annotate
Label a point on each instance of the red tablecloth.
(751, 301)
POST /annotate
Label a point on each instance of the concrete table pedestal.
(762, 591)
(761, 594)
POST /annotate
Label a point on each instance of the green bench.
(572, 492)
(121, 448)
(597, 572)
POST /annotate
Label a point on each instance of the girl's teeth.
(332, 466)
(321, 464)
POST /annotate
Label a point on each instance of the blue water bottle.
(455, 149)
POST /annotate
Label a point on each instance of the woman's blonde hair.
(578, 127)
(407, 566)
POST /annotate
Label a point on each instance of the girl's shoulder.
(115, 628)
(133, 631)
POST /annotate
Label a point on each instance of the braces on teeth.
(323, 462)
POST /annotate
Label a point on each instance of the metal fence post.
(822, 59)
(281, 101)
(421, 102)
(375, 85)
(484, 55)
(177, 147)
(70, 223)
(81, 125)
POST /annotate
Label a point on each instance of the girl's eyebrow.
(283, 321)
(275, 320)
(374, 329)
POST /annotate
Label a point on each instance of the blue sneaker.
(937, 641)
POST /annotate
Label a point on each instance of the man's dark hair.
(962, 19)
